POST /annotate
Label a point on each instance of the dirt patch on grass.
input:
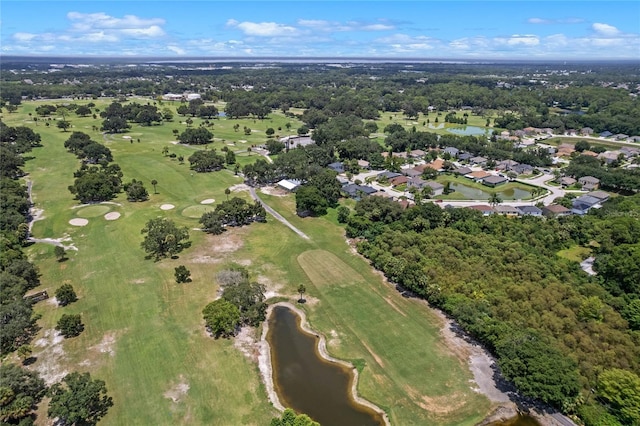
(107, 344)
(394, 306)
(49, 359)
(246, 342)
(437, 405)
(177, 390)
(270, 190)
(138, 281)
(239, 187)
(374, 355)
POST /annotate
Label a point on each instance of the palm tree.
(495, 199)
(154, 183)
(227, 192)
(302, 290)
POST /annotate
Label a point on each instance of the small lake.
(222, 114)
(306, 382)
(468, 131)
(471, 193)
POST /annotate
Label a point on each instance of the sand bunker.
(112, 216)
(167, 207)
(78, 222)
(208, 201)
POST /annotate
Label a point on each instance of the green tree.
(310, 199)
(79, 400)
(227, 192)
(494, 199)
(136, 191)
(64, 125)
(65, 294)
(70, 325)
(163, 238)
(60, 253)
(248, 297)
(182, 274)
(198, 136)
(343, 214)
(221, 317)
(154, 183)
(620, 389)
(290, 418)
(20, 391)
(212, 223)
(301, 290)
(270, 131)
(538, 369)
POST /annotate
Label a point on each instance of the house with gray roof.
(589, 183)
(452, 151)
(357, 191)
(494, 181)
(530, 211)
(465, 156)
(480, 161)
(583, 204)
(336, 167)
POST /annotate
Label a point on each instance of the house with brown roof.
(555, 210)
(508, 211)
(436, 164)
(567, 181)
(478, 175)
(417, 153)
(399, 180)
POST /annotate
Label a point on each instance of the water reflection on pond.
(521, 420)
(471, 193)
(307, 382)
(468, 130)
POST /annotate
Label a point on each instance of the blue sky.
(416, 29)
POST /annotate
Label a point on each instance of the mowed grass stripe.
(325, 268)
(406, 360)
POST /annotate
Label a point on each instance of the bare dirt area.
(217, 247)
(239, 187)
(49, 358)
(271, 190)
(177, 390)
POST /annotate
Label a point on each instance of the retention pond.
(307, 382)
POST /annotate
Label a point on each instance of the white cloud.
(527, 40)
(377, 27)
(605, 29)
(176, 49)
(152, 31)
(86, 21)
(24, 37)
(263, 29)
(545, 21)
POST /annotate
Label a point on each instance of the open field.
(508, 186)
(144, 333)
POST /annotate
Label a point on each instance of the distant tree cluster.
(198, 136)
(87, 150)
(206, 161)
(234, 212)
(242, 303)
(97, 183)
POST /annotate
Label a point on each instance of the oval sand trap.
(167, 207)
(208, 201)
(78, 222)
(112, 216)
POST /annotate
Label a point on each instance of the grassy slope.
(156, 325)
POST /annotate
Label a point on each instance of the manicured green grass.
(443, 178)
(575, 253)
(421, 123)
(144, 333)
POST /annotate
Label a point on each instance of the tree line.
(557, 332)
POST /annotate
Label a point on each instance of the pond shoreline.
(266, 367)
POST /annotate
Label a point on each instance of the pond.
(308, 383)
(468, 130)
(222, 114)
(471, 193)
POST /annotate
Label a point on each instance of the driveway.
(277, 215)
